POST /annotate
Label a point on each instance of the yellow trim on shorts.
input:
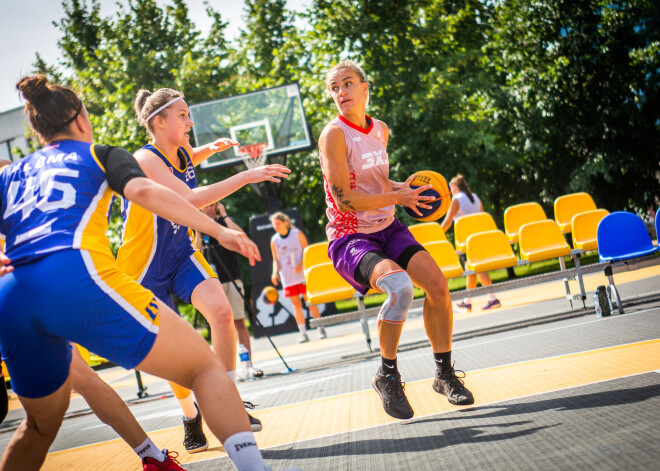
(137, 300)
(199, 258)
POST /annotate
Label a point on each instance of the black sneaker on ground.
(391, 391)
(255, 423)
(194, 439)
(452, 386)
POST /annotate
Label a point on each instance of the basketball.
(269, 295)
(439, 191)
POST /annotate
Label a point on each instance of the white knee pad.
(399, 289)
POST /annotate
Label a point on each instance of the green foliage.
(529, 100)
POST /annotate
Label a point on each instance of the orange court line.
(358, 410)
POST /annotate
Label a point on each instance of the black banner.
(277, 318)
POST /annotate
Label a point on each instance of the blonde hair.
(346, 64)
(147, 102)
(282, 217)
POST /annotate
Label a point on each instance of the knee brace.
(399, 289)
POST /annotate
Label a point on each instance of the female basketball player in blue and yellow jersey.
(60, 282)
(370, 248)
(160, 254)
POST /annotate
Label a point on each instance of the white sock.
(188, 407)
(232, 375)
(492, 296)
(302, 328)
(467, 300)
(149, 450)
(243, 451)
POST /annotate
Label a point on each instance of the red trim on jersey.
(370, 121)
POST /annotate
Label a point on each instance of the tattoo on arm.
(339, 196)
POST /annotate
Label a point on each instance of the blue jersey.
(54, 199)
(151, 244)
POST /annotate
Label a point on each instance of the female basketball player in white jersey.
(53, 207)
(465, 202)
(287, 246)
(370, 248)
(161, 255)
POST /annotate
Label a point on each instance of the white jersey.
(465, 206)
(289, 254)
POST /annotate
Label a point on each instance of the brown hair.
(50, 108)
(346, 64)
(459, 181)
(282, 217)
(147, 102)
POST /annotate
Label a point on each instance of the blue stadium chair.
(622, 236)
(657, 227)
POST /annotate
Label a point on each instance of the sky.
(26, 28)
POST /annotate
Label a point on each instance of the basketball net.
(253, 155)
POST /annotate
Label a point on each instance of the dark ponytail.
(50, 108)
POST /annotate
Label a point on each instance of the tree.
(582, 97)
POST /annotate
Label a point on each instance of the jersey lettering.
(30, 200)
(377, 157)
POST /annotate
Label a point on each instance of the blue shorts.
(347, 251)
(181, 280)
(73, 295)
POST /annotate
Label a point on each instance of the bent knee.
(400, 293)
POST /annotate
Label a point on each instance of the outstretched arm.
(156, 170)
(167, 204)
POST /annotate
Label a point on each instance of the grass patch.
(457, 284)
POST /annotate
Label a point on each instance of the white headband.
(162, 108)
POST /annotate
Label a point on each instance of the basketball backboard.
(274, 117)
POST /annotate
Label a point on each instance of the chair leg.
(364, 322)
(562, 266)
(578, 268)
(611, 289)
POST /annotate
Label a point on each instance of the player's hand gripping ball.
(269, 295)
(440, 192)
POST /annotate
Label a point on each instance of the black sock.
(388, 367)
(442, 361)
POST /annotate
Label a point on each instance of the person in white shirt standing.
(287, 246)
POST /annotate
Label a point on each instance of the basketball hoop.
(253, 155)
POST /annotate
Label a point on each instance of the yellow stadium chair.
(584, 229)
(519, 214)
(568, 206)
(325, 285)
(444, 255)
(542, 240)
(488, 251)
(315, 254)
(465, 226)
(427, 232)
(5, 373)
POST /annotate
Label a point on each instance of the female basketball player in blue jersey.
(60, 282)
(370, 248)
(160, 254)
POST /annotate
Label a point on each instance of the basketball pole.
(253, 316)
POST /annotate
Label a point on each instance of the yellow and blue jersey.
(157, 252)
(54, 199)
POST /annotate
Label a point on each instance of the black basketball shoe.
(391, 391)
(452, 386)
(194, 439)
(255, 424)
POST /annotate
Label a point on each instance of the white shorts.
(235, 298)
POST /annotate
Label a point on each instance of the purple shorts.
(346, 252)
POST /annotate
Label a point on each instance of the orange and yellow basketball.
(439, 190)
(269, 295)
